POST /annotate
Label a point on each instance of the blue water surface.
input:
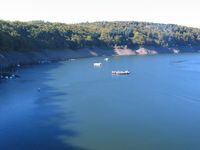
(80, 107)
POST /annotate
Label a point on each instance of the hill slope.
(39, 35)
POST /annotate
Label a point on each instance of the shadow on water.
(32, 120)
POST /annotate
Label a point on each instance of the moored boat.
(97, 64)
(119, 72)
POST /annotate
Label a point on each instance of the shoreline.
(15, 59)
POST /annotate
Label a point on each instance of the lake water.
(79, 107)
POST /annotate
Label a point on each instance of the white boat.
(119, 72)
(106, 59)
(97, 64)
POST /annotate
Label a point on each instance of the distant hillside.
(38, 35)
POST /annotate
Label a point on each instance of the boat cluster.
(114, 72)
(9, 72)
(9, 76)
(99, 64)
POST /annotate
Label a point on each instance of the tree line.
(38, 35)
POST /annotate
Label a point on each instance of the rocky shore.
(14, 58)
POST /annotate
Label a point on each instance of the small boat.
(126, 72)
(106, 59)
(97, 64)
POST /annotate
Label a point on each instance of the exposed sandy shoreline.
(13, 58)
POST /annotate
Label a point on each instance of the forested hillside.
(35, 35)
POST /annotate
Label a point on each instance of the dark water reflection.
(30, 120)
